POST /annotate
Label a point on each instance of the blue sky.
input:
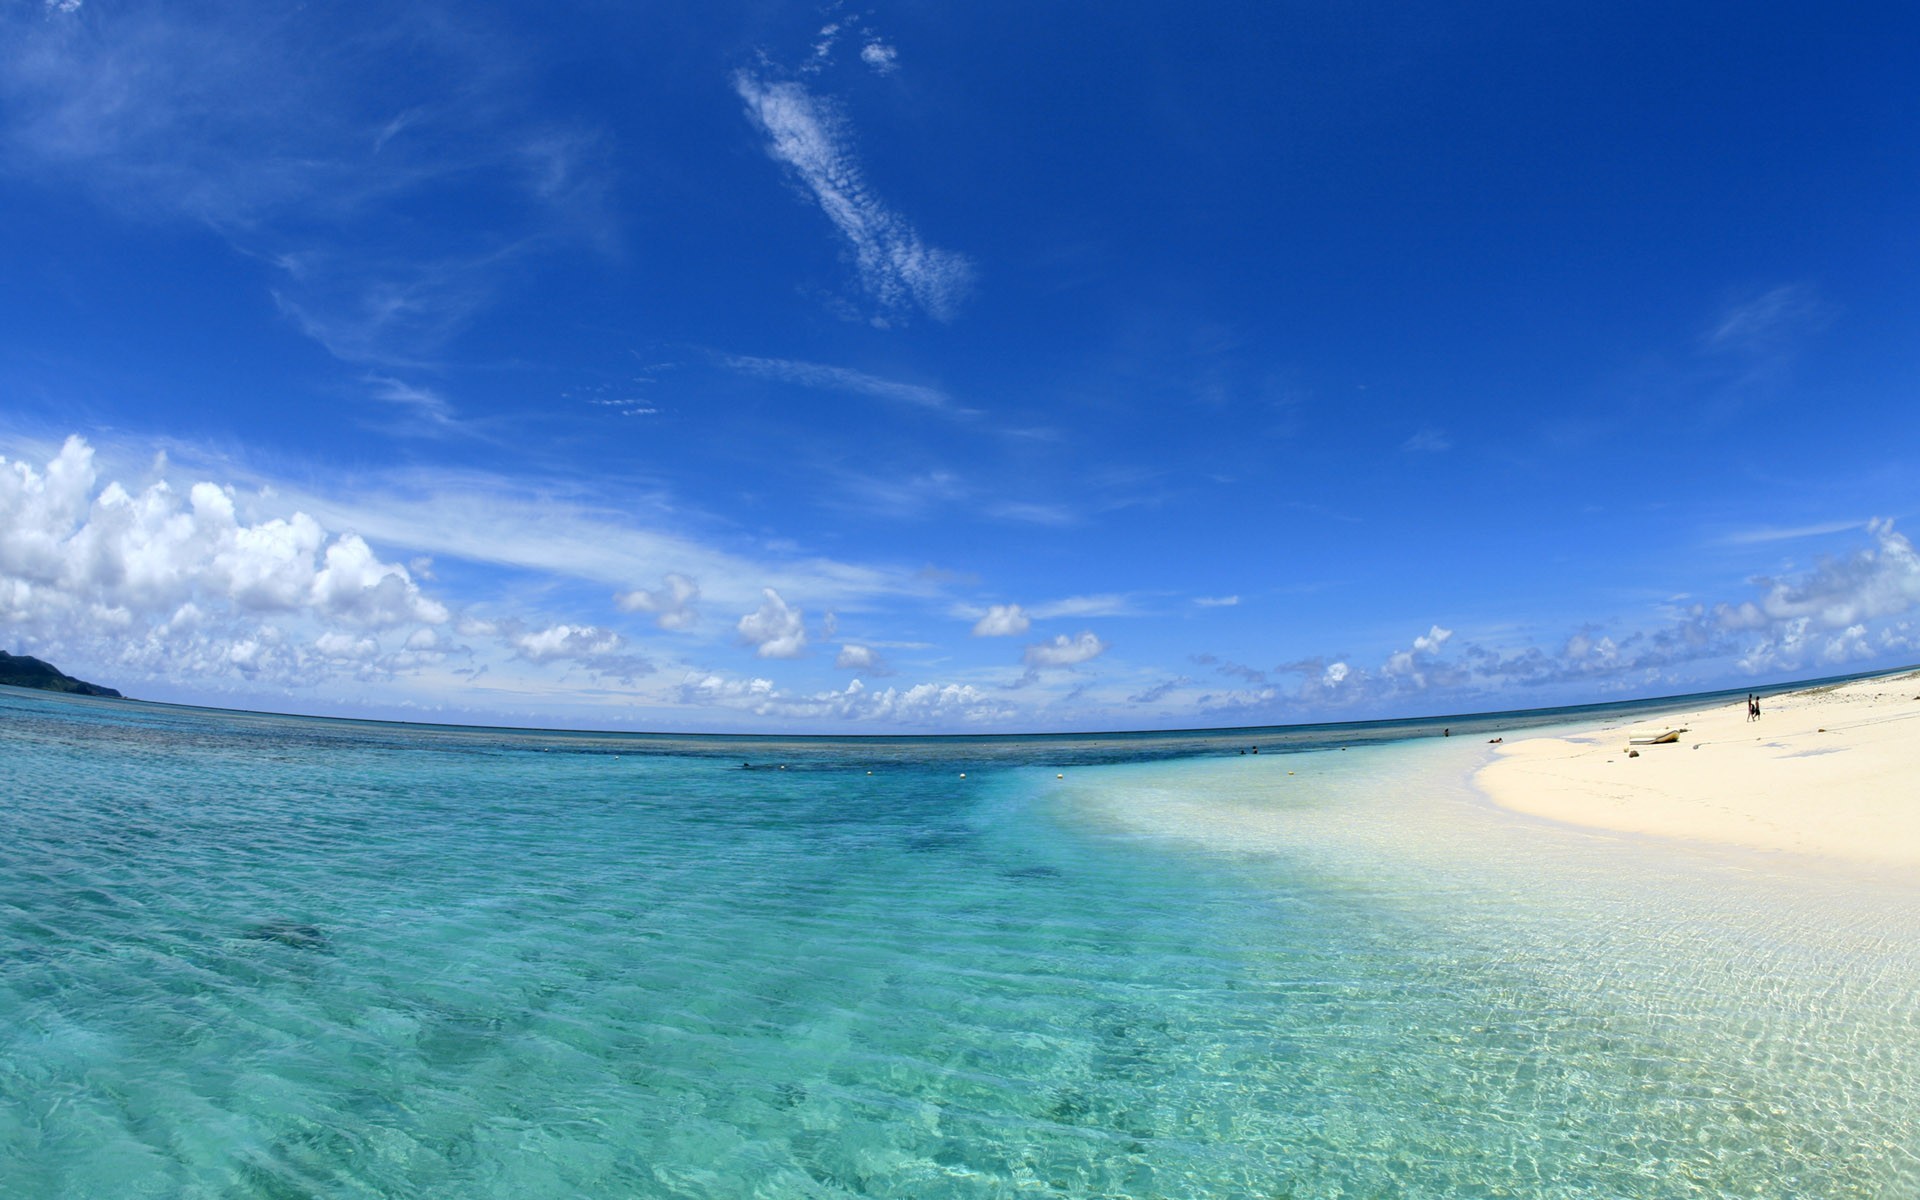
(941, 367)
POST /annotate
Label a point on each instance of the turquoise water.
(261, 956)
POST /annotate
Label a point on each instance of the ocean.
(262, 956)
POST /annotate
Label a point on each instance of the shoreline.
(1827, 772)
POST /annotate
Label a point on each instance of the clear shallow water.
(250, 956)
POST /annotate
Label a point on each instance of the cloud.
(823, 45)
(1002, 620)
(1054, 515)
(935, 705)
(878, 55)
(313, 163)
(535, 524)
(1749, 537)
(1408, 662)
(153, 551)
(1160, 691)
(774, 630)
(844, 379)
(1104, 605)
(600, 651)
(1216, 601)
(861, 658)
(1872, 583)
(1427, 441)
(1064, 651)
(177, 581)
(671, 605)
(356, 587)
(1845, 611)
(896, 268)
(1759, 323)
(1234, 669)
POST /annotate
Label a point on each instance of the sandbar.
(1829, 771)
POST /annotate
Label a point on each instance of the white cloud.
(823, 45)
(1758, 322)
(173, 583)
(241, 121)
(1033, 513)
(1878, 582)
(425, 404)
(1408, 662)
(1748, 537)
(671, 605)
(1427, 441)
(843, 379)
(878, 55)
(528, 525)
(1106, 605)
(934, 705)
(1002, 620)
(1216, 601)
(426, 641)
(346, 646)
(774, 630)
(896, 267)
(151, 553)
(854, 657)
(1844, 612)
(600, 651)
(568, 641)
(931, 703)
(356, 587)
(1064, 651)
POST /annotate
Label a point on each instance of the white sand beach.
(1831, 771)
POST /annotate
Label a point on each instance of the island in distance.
(20, 670)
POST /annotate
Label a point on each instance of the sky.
(945, 368)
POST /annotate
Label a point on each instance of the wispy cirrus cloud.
(1107, 604)
(1749, 537)
(1760, 322)
(845, 379)
(308, 159)
(898, 270)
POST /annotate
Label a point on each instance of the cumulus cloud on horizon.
(156, 575)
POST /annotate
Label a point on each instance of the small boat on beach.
(1665, 739)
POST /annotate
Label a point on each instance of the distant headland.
(20, 670)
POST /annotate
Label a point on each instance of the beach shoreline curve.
(1831, 772)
